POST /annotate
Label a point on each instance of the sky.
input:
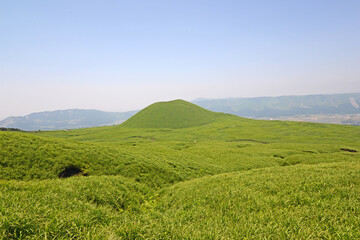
(124, 55)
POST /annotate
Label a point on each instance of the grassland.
(224, 177)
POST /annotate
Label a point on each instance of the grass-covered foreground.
(201, 175)
(295, 202)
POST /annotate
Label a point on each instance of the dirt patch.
(348, 150)
(71, 171)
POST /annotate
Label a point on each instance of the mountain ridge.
(285, 105)
(65, 119)
(281, 108)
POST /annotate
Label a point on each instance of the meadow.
(177, 171)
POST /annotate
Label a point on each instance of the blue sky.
(125, 55)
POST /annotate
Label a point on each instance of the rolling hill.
(173, 114)
(178, 171)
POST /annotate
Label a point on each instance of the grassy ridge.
(26, 157)
(156, 163)
(296, 202)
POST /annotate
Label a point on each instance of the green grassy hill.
(173, 114)
(26, 157)
(212, 176)
(296, 202)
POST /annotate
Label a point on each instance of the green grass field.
(177, 171)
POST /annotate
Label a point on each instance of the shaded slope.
(173, 114)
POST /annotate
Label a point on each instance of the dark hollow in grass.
(348, 150)
(71, 171)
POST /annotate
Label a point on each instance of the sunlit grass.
(231, 178)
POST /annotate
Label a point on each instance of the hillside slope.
(173, 114)
(295, 202)
(26, 157)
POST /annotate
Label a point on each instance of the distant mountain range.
(65, 119)
(346, 108)
(265, 107)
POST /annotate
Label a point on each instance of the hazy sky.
(124, 55)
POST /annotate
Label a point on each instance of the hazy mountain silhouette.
(65, 119)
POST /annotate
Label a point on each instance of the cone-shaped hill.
(173, 114)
